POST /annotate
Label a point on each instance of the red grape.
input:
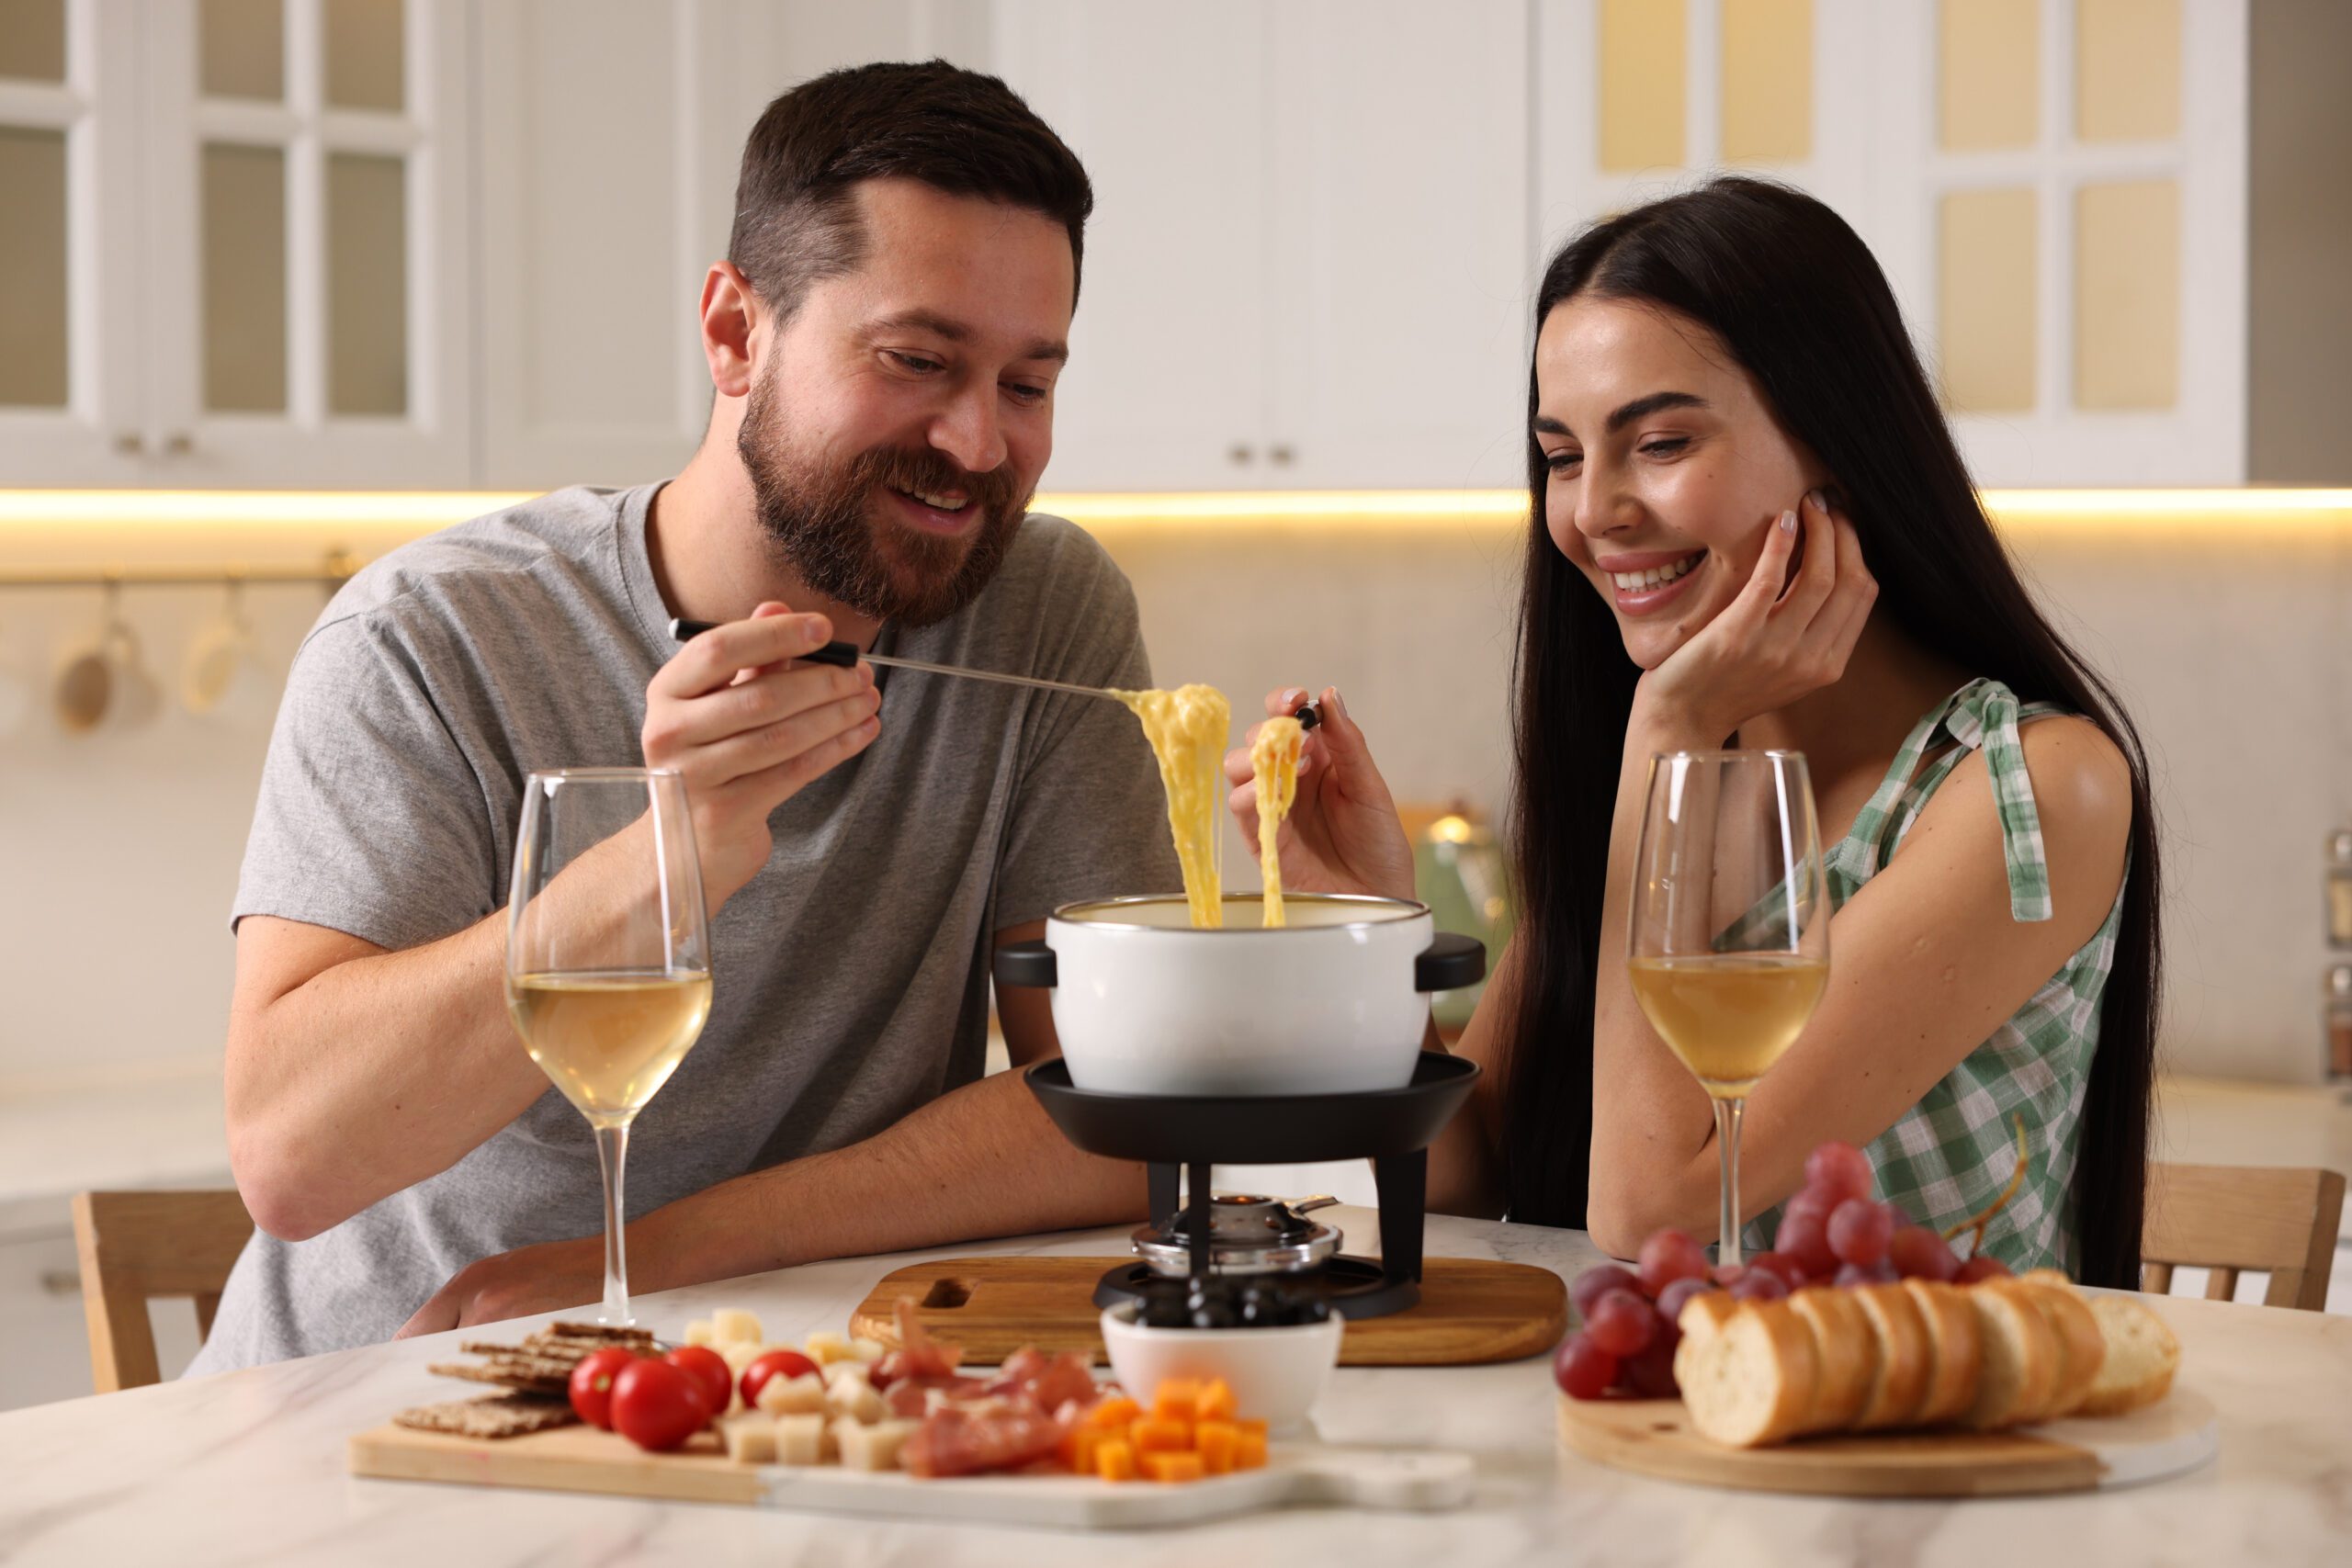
(1759, 1285)
(1651, 1373)
(1789, 1271)
(1621, 1324)
(1595, 1283)
(1879, 1273)
(1803, 1236)
(1918, 1253)
(1860, 1230)
(1840, 1170)
(1583, 1369)
(1983, 1266)
(1670, 1255)
(1674, 1298)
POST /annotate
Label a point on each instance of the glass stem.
(612, 1149)
(1728, 1112)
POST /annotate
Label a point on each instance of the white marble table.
(248, 1467)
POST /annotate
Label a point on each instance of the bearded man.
(883, 341)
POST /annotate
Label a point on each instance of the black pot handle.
(1024, 964)
(1451, 961)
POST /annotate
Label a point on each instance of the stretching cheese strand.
(1187, 728)
(1273, 759)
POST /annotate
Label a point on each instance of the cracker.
(520, 1378)
(493, 1416)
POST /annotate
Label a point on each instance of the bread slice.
(1955, 1350)
(1703, 1316)
(2019, 1368)
(1844, 1354)
(2141, 1355)
(1899, 1382)
(1751, 1381)
(2082, 1348)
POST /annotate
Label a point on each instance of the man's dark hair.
(796, 214)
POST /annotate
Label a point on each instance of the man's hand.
(747, 729)
(547, 1278)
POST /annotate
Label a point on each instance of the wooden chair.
(2228, 1218)
(137, 1245)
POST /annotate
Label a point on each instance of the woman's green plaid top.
(1950, 1154)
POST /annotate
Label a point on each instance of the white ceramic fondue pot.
(1335, 1002)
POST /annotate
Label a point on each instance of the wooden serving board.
(1654, 1437)
(580, 1459)
(1471, 1310)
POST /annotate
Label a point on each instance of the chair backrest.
(2228, 1218)
(137, 1246)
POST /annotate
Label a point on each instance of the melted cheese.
(1187, 728)
(1273, 759)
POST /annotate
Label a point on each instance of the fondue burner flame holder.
(1178, 1137)
(1250, 1235)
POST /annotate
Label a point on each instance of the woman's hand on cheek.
(1768, 646)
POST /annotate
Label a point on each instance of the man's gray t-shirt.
(851, 977)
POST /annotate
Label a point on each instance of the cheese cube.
(825, 1347)
(873, 1448)
(738, 1353)
(848, 1393)
(868, 1350)
(699, 1332)
(804, 1440)
(729, 1324)
(750, 1437)
(803, 1396)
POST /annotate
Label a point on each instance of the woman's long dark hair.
(1799, 300)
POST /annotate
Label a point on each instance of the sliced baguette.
(2141, 1355)
(1899, 1380)
(1955, 1350)
(1703, 1316)
(2082, 1348)
(1750, 1382)
(2019, 1368)
(1844, 1354)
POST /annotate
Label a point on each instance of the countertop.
(249, 1467)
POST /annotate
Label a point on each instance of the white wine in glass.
(607, 956)
(1729, 933)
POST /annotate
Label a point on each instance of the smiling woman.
(1751, 528)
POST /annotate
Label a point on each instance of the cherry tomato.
(710, 1368)
(591, 1384)
(659, 1404)
(786, 1364)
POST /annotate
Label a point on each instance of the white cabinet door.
(72, 316)
(1404, 247)
(1169, 385)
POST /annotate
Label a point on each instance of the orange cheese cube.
(1077, 1451)
(1154, 1436)
(1250, 1451)
(1250, 1424)
(1115, 1411)
(1173, 1467)
(1215, 1403)
(1217, 1442)
(1177, 1400)
(1114, 1460)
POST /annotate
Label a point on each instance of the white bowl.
(1276, 1374)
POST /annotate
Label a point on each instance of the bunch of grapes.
(1832, 1232)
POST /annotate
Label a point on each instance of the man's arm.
(983, 1161)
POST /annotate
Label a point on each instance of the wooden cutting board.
(1471, 1310)
(1654, 1437)
(580, 1459)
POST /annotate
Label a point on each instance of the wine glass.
(1729, 934)
(607, 955)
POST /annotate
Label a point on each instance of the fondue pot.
(1337, 1001)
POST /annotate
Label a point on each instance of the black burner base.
(1354, 1286)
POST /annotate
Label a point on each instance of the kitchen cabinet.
(237, 243)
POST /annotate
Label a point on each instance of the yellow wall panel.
(1986, 317)
(1988, 73)
(1767, 81)
(1644, 49)
(2127, 295)
(2127, 70)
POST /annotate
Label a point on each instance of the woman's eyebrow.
(1627, 414)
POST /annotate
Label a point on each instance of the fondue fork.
(845, 655)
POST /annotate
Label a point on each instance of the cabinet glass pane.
(32, 268)
(365, 68)
(2127, 70)
(367, 285)
(1642, 53)
(2127, 295)
(1767, 81)
(241, 50)
(32, 39)
(1986, 304)
(244, 279)
(1988, 73)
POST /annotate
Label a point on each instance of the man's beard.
(823, 522)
